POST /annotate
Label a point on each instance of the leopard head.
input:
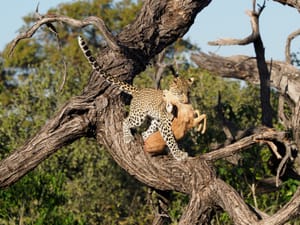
(178, 90)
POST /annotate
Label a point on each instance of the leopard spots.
(147, 102)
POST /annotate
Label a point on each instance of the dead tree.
(280, 75)
(98, 112)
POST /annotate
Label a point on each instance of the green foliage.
(295, 58)
(26, 54)
(177, 205)
(37, 199)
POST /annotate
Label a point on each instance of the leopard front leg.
(166, 132)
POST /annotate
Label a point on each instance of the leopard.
(146, 103)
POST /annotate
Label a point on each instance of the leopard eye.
(180, 93)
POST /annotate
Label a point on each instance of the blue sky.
(219, 20)
(229, 20)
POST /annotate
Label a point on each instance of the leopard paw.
(145, 135)
(128, 138)
(180, 155)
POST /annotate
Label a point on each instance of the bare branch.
(48, 19)
(49, 25)
(264, 75)
(282, 164)
(253, 5)
(260, 135)
(261, 8)
(291, 3)
(231, 202)
(231, 41)
(285, 77)
(288, 45)
(247, 40)
(274, 149)
(64, 75)
(241, 213)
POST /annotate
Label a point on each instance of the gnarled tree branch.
(290, 210)
(245, 41)
(48, 19)
(285, 77)
(58, 132)
(288, 45)
(262, 134)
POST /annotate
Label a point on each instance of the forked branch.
(249, 39)
(291, 37)
(262, 134)
(48, 19)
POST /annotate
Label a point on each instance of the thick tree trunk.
(264, 75)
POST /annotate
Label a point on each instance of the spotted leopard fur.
(147, 102)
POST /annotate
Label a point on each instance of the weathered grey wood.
(63, 129)
(284, 77)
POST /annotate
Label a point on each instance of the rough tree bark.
(99, 113)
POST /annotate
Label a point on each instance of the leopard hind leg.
(132, 121)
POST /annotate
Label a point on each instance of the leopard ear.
(191, 80)
(165, 94)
